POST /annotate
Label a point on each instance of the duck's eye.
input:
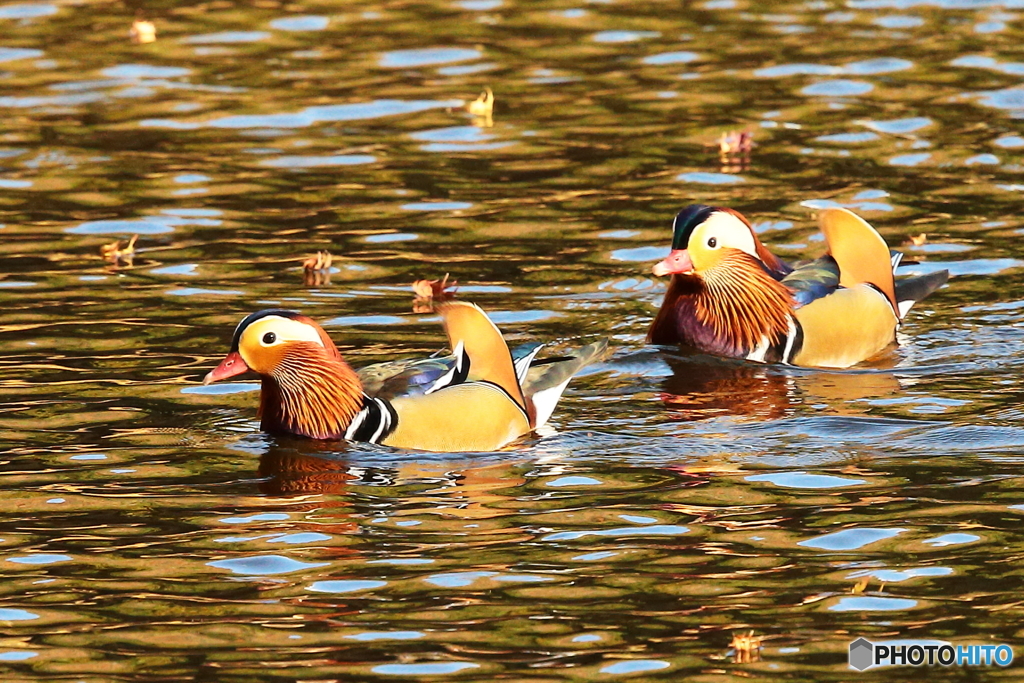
(269, 338)
(712, 242)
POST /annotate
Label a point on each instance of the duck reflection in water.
(468, 489)
(301, 466)
(703, 387)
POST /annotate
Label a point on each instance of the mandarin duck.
(478, 399)
(730, 296)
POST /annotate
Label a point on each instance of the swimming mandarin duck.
(730, 296)
(477, 399)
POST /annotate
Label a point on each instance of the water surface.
(152, 533)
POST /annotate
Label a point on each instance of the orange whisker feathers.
(310, 393)
(742, 303)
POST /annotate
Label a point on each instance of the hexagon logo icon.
(862, 653)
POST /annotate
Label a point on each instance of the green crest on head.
(687, 221)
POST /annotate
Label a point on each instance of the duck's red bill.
(676, 262)
(229, 367)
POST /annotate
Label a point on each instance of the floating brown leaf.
(316, 269)
(917, 240)
(142, 31)
(734, 150)
(429, 292)
(118, 256)
(736, 142)
(746, 647)
(815, 598)
(861, 585)
(321, 260)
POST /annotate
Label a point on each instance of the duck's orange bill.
(229, 367)
(678, 261)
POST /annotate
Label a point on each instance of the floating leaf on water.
(118, 256)
(429, 292)
(142, 31)
(861, 585)
(316, 269)
(734, 149)
(321, 260)
(815, 598)
(736, 142)
(746, 647)
(483, 105)
(481, 109)
(917, 240)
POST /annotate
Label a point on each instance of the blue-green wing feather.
(414, 376)
(818, 278)
(813, 280)
(403, 377)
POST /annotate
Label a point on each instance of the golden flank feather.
(742, 303)
(466, 417)
(845, 327)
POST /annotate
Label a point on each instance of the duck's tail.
(912, 289)
(547, 378)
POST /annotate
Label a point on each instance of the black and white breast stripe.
(374, 422)
(782, 351)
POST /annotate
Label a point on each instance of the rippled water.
(150, 532)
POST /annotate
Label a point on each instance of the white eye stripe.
(727, 230)
(284, 330)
